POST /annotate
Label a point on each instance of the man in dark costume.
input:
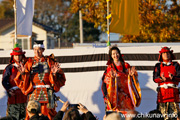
(167, 75)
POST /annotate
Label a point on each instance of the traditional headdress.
(38, 43)
(166, 49)
(17, 50)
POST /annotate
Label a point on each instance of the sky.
(113, 37)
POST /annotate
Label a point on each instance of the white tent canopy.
(84, 68)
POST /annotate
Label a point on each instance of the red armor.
(38, 78)
(167, 90)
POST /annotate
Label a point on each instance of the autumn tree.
(6, 9)
(53, 13)
(159, 20)
(93, 11)
(72, 33)
(56, 14)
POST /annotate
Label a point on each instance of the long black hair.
(120, 58)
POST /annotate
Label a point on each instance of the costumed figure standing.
(16, 106)
(42, 76)
(120, 86)
(167, 75)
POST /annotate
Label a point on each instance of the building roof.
(6, 23)
(45, 27)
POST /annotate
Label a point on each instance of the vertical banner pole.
(15, 21)
(108, 33)
(81, 26)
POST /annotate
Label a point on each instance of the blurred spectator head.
(7, 118)
(33, 107)
(72, 114)
(113, 116)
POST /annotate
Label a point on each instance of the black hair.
(172, 57)
(34, 111)
(120, 58)
(72, 114)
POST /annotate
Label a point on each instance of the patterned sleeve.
(105, 76)
(103, 86)
(127, 65)
(58, 80)
(23, 81)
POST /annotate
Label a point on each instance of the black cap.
(38, 43)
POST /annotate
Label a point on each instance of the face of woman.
(166, 56)
(17, 58)
(115, 55)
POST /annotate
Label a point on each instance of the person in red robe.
(115, 83)
(41, 77)
(167, 75)
(16, 105)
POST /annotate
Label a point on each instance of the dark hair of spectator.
(72, 114)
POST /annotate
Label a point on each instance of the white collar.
(15, 64)
(169, 63)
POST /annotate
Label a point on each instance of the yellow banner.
(125, 18)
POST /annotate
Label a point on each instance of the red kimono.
(37, 81)
(115, 89)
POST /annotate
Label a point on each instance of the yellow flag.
(125, 17)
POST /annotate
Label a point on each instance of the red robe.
(115, 89)
(38, 73)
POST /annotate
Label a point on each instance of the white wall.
(41, 34)
(6, 39)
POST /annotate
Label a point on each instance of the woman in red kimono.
(41, 76)
(16, 99)
(115, 83)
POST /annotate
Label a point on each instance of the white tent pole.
(15, 21)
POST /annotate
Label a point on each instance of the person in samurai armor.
(167, 75)
(41, 77)
(16, 105)
(116, 84)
